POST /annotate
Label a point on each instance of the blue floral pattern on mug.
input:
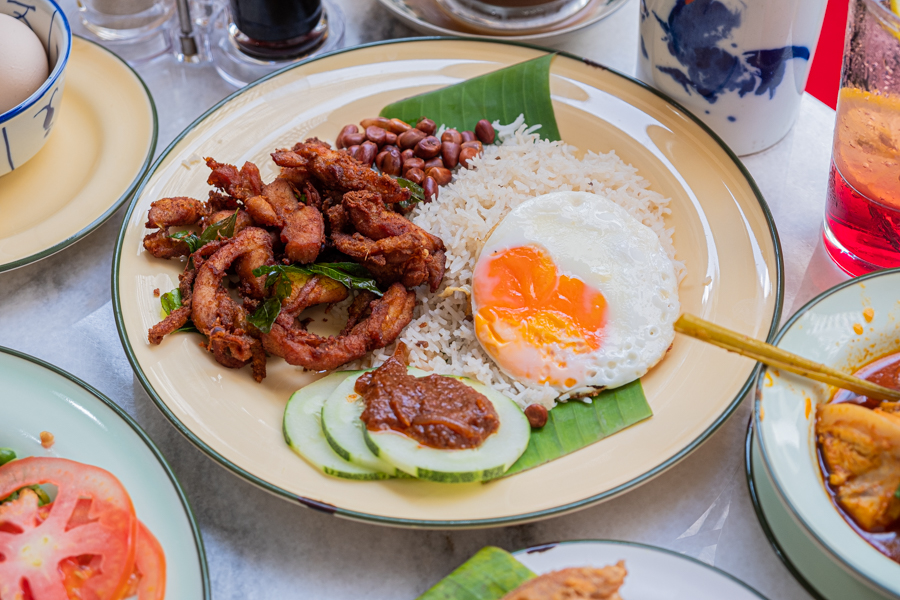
(740, 65)
(696, 30)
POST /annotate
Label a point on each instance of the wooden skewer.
(773, 356)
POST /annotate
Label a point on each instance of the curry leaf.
(503, 95)
(188, 237)
(264, 317)
(415, 190)
(356, 282)
(489, 575)
(416, 193)
(351, 275)
(574, 425)
(223, 228)
(171, 301)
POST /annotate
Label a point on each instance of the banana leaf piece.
(575, 424)
(503, 95)
(489, 575)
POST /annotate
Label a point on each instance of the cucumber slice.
(344, 429)
(497, 454)
(303, 430)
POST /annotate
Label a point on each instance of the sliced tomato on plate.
(148, 580)
(82, 545)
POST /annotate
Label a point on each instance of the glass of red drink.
(862, 212)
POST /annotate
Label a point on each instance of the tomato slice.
(79, 546)
(148, 581)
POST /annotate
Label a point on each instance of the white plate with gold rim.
(97, 153)
(724, 234)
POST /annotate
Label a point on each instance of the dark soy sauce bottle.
(277, 29)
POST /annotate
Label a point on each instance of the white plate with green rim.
(90, 428)
(825, 330)
(724, 234)
(100, 147)
(814, 569)
(652, 572)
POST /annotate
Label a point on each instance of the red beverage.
(862, 212)
(859, 231)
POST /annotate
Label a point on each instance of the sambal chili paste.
(436, 411)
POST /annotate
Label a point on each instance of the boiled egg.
(573, 292)
(23, 63)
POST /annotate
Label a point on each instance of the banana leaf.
(503, 95)
(575, 424)
(489, 575)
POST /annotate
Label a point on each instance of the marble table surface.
(259, 546)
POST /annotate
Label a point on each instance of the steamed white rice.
(441, 337)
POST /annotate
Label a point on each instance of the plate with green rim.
(653, 572)
(650, 572)
(723, 232)
(822, 577)
(845, 327)
(90, 428)
(95, 166)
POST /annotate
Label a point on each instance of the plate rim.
(758, 389)
(437, 523)
(139, 431)
(763, 520)
(126, 195)
(416, 22)
(550, 545)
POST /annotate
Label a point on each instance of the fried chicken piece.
(400, 258)
(173, 212)
(575, 583)
(252, 286)
(160, 245)
(262, 212)
(411, 254)
(338, 219)
(303, 235)
(313, 197)
(303, 228)
(178, 318)
(180, 211)
(242, 184)
(339, 171)
(173, 321)
(387, 317)
(214, 313)
(861, 451)
(217, 202)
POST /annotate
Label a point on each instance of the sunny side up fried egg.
(572, 291)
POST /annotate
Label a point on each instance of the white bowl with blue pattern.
(25, 129)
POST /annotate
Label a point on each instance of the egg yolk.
(530, 317)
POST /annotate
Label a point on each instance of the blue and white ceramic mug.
(25, 128)
(739, 65)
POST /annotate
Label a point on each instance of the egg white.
(598, 242)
